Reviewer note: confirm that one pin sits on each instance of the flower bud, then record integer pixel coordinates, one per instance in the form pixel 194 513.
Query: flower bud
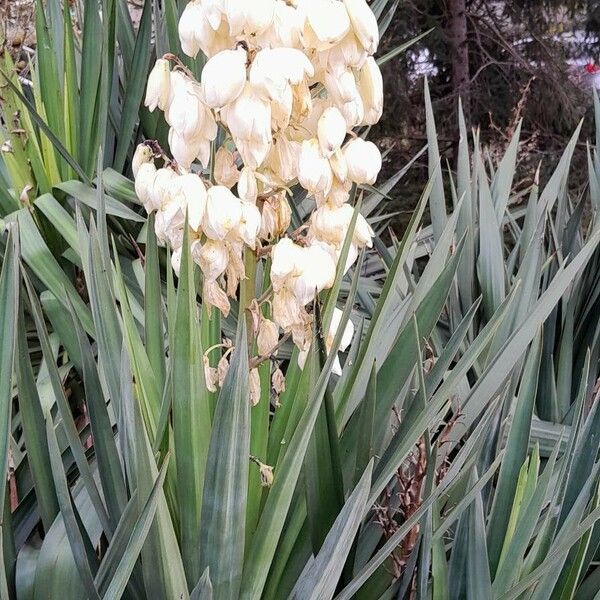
pixel 370 85
pixel 213 258
pixel 254 389
pixel 268 336
pixel 223 77
pixel 363 160
pixel 143 155
pixel 223 213
pixel 314 172
pixel 226 171
pixel 159 86
pixel 364 24
pixel 331 131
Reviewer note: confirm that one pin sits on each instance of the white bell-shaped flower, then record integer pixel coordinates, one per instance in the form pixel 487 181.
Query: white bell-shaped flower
pixel 189 192
pixel 330 224
pixel 249 121
pixel 273 69
pixel 314 171
pixel 348 53
pixel 223 77
pixel 184 150
pixel 370 86
pixel 187 113
pixel 213 258
pixel 159 86
pixel 249 224
pixel 364 24
pixel 317 273
pixel 157 195
pixel 144 183
pixel 331 131
pixel 363 160
pixel 286 31
pixel 248 185
pixel 327 22
pixel 223 213
pixel 285 262
pixel 202 27
pixel 249 18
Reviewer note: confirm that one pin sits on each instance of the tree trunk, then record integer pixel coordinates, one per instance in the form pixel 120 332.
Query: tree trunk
pixel 457 33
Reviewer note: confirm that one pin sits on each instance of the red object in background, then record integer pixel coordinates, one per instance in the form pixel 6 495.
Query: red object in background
pixel 592 69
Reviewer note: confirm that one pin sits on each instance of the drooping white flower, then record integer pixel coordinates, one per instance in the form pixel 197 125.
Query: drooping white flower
pixel 202 27
pixel 144 182
pixel 189 193
pixel 314 171
pixel 317 273
pixel 249 225
pixel 347 53
pixel 274 69
pixel 363 160
pixel 223 77
pixel 223 213
pixel 364 24
pixel 370 85
pixel 331 131
pixel 327 22
pixel 286 30
pixel 330 224
pixel 249 121
pixel 247 185
pixel 249 17
pixel 186 150
pixel 159 86
pixel 285 260
pixel 186 112
pixel 157 193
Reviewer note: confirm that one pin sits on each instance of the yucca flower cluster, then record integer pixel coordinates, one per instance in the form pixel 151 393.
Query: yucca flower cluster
pixel 286 82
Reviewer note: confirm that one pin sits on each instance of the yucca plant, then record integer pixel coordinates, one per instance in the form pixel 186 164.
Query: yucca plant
pixel 455 456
